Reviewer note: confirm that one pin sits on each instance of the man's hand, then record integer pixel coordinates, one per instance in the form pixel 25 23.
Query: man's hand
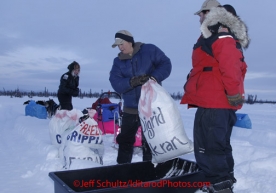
pixel 235 100
pixel 138 80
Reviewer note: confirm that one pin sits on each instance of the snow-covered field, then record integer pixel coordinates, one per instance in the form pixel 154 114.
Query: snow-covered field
pixel 27 155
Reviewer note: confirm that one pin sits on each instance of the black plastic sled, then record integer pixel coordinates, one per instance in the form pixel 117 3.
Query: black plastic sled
pixel 173 176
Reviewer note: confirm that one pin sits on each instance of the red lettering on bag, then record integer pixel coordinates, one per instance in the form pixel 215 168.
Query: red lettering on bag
pixel 90 130
pixel 83 129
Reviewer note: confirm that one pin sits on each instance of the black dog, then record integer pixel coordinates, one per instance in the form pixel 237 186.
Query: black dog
pixel 51 107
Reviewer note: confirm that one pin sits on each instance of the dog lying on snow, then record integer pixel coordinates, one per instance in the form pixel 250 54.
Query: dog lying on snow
pixel 50 105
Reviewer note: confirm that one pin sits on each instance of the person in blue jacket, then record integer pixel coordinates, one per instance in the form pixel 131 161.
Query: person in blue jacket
pixel 68 88
pixel 135 64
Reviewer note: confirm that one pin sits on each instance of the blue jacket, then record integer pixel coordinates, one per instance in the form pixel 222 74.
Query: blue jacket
pixel 146 59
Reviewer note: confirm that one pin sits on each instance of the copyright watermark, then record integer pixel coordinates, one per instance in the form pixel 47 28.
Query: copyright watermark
pixel 137 184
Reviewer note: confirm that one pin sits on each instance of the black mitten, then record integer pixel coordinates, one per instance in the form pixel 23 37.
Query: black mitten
pixel 235 100
pixel 138 80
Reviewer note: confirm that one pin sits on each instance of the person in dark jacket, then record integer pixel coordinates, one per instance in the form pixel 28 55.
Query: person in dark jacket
pixel 134 65
pixel 68 88
pixel 215 86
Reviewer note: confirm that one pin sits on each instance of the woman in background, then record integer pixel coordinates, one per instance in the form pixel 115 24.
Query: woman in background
pixel 68 87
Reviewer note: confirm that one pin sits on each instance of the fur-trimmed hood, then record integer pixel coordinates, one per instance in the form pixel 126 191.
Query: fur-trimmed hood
pixel 234 23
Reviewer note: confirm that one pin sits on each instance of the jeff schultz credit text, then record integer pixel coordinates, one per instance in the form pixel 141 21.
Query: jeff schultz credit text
pixel 137 183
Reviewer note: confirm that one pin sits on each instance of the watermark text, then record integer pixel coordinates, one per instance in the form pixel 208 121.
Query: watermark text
pixel 137 184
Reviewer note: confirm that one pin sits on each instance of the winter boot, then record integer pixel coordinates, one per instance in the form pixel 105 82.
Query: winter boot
pixel 124 154
pixel 231 174
pixel 220 187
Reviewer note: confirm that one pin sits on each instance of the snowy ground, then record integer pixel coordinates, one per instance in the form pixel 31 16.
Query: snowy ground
pixel 27 155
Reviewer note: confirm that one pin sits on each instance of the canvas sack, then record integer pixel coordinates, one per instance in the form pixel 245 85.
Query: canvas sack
pixel 62 121
pixel 84 142
pixel 162 124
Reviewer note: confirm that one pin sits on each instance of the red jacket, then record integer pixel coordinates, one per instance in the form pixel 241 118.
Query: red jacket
pixel 214 77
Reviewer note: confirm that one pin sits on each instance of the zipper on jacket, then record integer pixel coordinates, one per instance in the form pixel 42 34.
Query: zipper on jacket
pixel 134 66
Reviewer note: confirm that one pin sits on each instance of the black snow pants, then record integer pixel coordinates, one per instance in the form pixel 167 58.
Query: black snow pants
pixel 65 101
pixel 126 139
pixel 213 151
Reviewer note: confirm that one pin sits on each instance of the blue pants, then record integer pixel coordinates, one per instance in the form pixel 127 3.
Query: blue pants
pixel 213 151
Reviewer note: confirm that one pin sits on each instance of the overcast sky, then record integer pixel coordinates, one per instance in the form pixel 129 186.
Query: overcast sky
pixel 39 38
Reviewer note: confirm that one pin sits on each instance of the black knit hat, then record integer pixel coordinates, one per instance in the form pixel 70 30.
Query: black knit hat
pixel 230 9
pixel 73 65
pixel 123 35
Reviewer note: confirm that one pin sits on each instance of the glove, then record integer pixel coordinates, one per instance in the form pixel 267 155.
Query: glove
pixel 235 100
pixel 75 92
pixel 138 80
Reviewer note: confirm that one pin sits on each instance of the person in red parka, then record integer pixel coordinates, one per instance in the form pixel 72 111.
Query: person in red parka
pixel 215 86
